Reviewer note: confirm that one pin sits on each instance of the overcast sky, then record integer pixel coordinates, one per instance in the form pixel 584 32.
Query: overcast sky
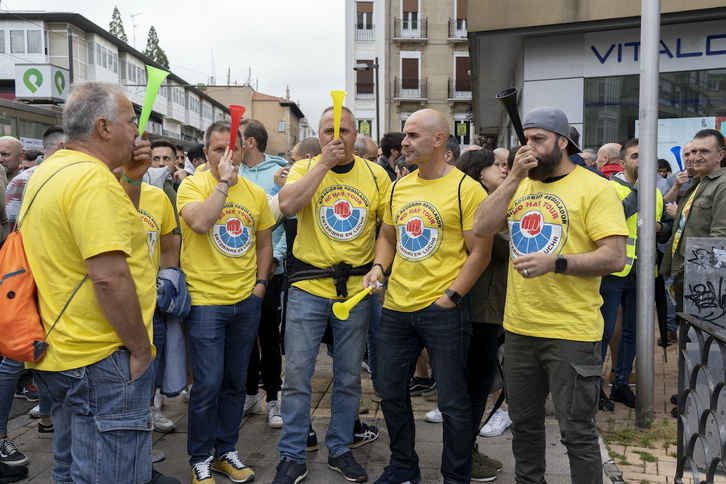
pixel 283 42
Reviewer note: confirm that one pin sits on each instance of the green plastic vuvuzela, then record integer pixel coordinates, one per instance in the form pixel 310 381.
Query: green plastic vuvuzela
pixel 156 77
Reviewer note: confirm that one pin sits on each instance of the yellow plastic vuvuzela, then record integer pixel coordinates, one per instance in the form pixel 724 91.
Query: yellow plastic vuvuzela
pixel 342 309
pixel 155 78
pixel 338 97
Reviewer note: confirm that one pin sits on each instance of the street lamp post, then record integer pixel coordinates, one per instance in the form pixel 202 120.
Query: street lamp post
pixel 367 67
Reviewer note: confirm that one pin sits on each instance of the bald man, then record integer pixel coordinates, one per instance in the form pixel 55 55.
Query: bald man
pixel 428 281
pixel 11 156
pixel 608 159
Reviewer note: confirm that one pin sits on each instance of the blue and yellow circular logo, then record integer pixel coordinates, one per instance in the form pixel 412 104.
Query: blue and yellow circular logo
pixel 342 212
pixel 232 234
pixel 537 223
pixel 420 231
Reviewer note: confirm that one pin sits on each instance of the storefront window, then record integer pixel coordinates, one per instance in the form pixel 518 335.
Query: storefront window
pixel 612 103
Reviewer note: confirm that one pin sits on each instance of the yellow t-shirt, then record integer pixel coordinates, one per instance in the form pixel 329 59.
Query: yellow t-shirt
pixel 157 214
pixel 221 265
pixel 339 222
pixel 430 247
pixel 564 217
pixel 80 213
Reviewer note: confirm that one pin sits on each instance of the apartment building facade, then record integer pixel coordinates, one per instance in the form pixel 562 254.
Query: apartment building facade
pixel 422 58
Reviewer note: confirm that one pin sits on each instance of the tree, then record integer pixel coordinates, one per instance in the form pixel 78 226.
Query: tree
pixel 116 27
pixel 153 50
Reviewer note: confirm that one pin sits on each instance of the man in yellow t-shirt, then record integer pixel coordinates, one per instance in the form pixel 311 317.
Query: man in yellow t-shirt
pixel 337 197
pixel 426 235
pixel 226 257
pixel 80 220
pixel 567 229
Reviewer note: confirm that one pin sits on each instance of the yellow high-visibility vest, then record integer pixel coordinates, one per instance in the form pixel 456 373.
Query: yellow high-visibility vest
pixel 632 223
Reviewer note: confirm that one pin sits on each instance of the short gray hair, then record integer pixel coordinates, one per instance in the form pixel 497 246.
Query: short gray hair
pixel 361 146
pixel 220 126
pixel 88 102
pixel 343 110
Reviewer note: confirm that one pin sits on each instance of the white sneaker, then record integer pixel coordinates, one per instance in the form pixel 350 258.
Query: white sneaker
pixel 157 455
pixel 434 416
pixel 274 419
pixel 158 399
pixel 252 404
pixel 497 424
pixel 35 412
pixel 161 423
pixel 186 393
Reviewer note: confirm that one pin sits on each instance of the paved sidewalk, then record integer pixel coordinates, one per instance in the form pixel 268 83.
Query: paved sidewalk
pixel 257 444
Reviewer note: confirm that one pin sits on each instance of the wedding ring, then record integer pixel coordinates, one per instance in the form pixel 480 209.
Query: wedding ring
pixel 526 273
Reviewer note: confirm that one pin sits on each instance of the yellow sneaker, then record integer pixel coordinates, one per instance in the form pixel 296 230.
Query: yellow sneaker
pixel 230 465
pixel 202 472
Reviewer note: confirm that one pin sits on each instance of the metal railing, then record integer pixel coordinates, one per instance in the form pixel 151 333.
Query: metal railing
pixel 409 88
pixel 364 90
pixel 410 29
pixel 364 34
pixel 702 363
pixel 459 89
pixel 457 29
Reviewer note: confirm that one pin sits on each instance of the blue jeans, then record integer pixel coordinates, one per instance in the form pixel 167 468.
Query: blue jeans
pixel 616 291
pixel 159 338
pixel 220 339
pixel 376 308
pixel 9 374
pixel 102 422
pixel 307 318
pixel 446 336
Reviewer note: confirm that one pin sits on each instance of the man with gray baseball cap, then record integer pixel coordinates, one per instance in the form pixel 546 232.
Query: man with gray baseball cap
pixel 567 229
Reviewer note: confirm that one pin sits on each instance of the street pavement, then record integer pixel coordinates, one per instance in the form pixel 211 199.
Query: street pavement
pixel 257 442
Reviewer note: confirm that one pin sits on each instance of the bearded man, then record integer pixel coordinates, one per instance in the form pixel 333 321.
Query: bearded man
pixel 567 229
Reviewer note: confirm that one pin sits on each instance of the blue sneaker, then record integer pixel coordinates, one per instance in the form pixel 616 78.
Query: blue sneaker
pixel 398 475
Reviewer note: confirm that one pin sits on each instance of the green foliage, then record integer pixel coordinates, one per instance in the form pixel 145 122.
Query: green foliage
pixel 622 460
pixel 116 28
pixel 154 51
pixel 629 435
pixel 646 456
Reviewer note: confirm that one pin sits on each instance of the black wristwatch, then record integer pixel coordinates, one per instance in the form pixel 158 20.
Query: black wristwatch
pixel 560 264
pixel 454 296
pixel 261 281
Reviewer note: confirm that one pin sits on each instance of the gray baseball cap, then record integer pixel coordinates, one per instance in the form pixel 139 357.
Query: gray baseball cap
pixel 554 120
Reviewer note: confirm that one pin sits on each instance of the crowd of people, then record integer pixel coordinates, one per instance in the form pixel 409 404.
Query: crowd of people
pixel 197 274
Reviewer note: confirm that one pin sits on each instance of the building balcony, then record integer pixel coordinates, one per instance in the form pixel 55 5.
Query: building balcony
pixel 459 89
pixel 364 34
pixel 365 91
pixel 413 89
pixel 457 30
pixel 410 30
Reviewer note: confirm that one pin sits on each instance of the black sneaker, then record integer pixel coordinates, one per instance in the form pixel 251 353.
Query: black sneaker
pixel 398 475
pixel 289 472
pixel 10 455
pixel 674 412
pixel 28 392
pixel 346 465
pixel 674 399
pixel 12 474
pixel 623 394
pixel 312 443
pixel 605 403
pixel 45 431
pixel 159 478
pixel 364 435
pixel 419 385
